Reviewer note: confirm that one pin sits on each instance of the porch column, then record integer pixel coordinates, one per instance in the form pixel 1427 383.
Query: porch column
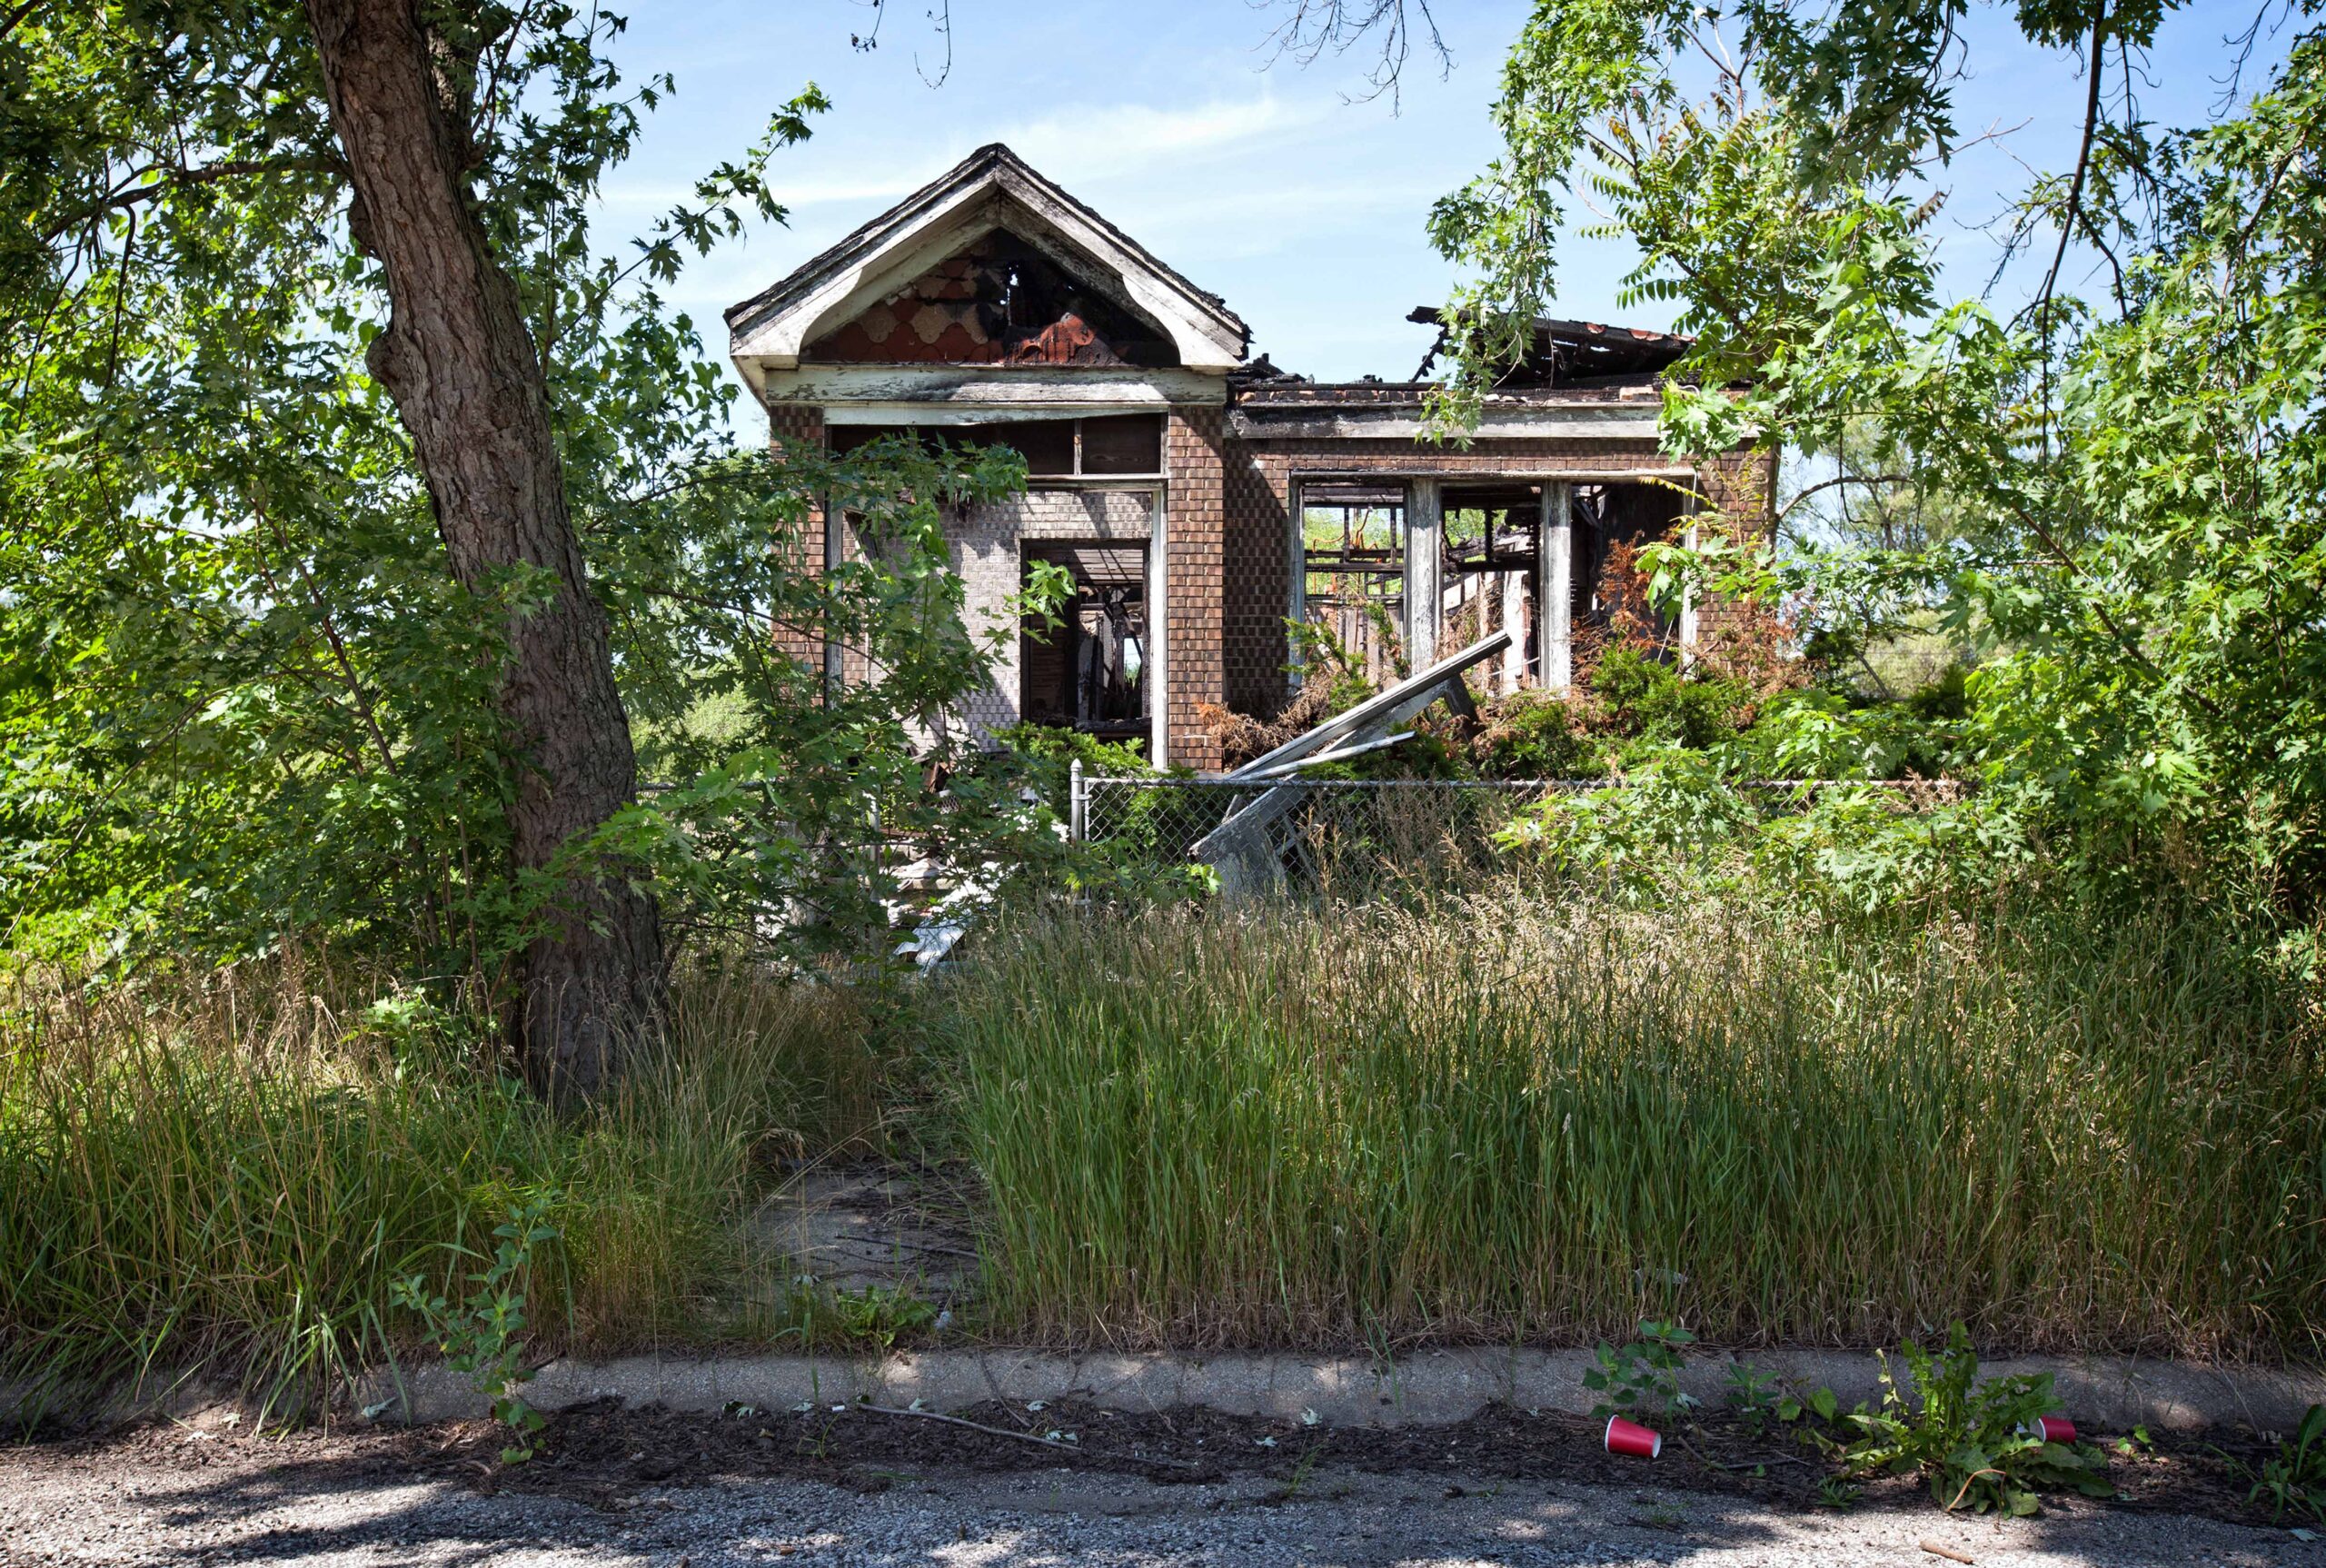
pixel 1424 582
pixel 1688 598
pixel 1513 621
pixel 1554 611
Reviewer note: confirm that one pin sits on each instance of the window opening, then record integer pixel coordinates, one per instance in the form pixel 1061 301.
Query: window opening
pixel 1101 446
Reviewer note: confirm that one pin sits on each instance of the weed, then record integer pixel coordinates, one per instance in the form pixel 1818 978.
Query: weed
pixel 2294 1478
pixel 1501 1115
pixel 229 1169
pixel 878 1316
pixel 1969 1437
pixel 1643 1377
pixel 1755 1396
pixel 1838 1494
pixel 483 1336
pixel 1301 1470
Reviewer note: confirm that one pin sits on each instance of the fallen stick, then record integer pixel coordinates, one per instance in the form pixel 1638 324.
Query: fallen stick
pixel 1952 1555
pixel 1062 1446
pixel 1739 1465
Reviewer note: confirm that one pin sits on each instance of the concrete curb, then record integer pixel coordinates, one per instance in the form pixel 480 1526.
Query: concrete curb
pixel 1432 1387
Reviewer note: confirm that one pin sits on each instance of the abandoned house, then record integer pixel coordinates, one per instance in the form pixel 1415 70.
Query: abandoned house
pixel 1201 499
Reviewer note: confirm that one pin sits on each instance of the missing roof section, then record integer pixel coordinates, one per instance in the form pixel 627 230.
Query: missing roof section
pixel 1569 353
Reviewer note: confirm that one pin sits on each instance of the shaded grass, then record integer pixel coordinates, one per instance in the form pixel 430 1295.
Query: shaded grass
pixel 230 1168
pixel 1508 1117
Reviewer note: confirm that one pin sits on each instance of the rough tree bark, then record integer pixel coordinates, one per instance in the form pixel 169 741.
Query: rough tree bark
pixel 460 365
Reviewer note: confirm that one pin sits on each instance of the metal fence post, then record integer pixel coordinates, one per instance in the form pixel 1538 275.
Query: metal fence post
pixel 1077 808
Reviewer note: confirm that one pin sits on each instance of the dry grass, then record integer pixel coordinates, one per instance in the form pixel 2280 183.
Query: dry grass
pixel 1511 1118
pixel 229 1167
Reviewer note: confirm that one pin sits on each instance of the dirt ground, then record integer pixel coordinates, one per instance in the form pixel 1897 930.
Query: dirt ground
pixel 617 1486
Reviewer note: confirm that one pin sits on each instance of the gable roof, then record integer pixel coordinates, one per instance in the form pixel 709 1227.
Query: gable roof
pixel 992 188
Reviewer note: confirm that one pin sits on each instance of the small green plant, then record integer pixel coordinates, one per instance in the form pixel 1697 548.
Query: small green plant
pixel 879 1316
pixel 2293 1480
pixel 1838 1493
pixel 484 1336
pixel 1755 1396
pixel 1645 1375
pixel 1968 1437
pixel 1818 1402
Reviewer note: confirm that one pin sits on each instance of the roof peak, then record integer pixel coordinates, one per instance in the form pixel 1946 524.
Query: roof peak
pixel 769 328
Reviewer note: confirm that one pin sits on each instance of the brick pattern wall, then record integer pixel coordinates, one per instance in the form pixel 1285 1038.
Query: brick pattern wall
pixel 981 545
pixel 1195 444
pixel 802 426
pixel 1259 581
pixel 1742 489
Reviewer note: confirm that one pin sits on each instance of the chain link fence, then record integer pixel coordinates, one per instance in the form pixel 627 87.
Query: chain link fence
pixel 1352 834
pixel 1318 833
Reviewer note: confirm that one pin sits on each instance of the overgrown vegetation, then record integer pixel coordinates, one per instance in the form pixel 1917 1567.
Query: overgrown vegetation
pixel 1508 1118
pixel 238 1167
pixel 2111 497
pixel 2032 1045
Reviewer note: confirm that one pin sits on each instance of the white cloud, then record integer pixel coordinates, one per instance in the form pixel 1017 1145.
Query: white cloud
pixel 1085 142
pixel 1118 138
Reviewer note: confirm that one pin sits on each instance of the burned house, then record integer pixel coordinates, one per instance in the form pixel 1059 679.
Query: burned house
pixel 1200 499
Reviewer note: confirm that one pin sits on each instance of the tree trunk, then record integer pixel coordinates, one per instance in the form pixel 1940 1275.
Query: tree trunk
pixel 459 364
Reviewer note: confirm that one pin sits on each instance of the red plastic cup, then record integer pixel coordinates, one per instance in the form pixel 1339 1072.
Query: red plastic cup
pixel 2050 1428
pixel 1630 1437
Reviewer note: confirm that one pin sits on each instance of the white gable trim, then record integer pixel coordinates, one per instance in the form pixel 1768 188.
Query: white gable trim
pixel 1002 193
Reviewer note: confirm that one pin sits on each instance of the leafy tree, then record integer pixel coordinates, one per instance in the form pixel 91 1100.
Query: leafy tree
pixel 280 632
pixel 2130 483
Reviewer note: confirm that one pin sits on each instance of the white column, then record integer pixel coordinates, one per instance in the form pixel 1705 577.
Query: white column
pixel 1555 569
pixel 1424 585
pixel 1514 620
pixel 1688 602
pixel 1158 674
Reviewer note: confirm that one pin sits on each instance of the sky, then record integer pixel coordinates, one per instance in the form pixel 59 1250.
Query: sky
pixel 1277 186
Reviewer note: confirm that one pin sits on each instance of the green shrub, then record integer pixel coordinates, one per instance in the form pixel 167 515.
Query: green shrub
pixel 1535 734
pixel 1645 698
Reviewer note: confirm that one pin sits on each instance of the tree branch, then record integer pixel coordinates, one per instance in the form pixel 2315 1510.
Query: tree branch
pixel 1837 480
pixel 161 180
pixel 2075 206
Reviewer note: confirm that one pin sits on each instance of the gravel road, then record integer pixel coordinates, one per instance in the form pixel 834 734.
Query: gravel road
pixel 199 1497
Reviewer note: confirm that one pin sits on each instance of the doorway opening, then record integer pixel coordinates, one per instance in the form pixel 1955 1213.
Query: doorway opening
pixel 1090 672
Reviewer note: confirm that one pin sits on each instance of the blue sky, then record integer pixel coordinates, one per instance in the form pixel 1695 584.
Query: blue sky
pixel 1264 182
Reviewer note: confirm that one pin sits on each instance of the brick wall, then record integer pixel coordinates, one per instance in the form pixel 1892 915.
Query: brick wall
pixel 1258 579
pixel 1741 488
pixel 1194 562
pixel 791 422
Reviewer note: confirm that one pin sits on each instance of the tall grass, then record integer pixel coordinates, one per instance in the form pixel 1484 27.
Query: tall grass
pixel 1508 1117
pixel 230 1168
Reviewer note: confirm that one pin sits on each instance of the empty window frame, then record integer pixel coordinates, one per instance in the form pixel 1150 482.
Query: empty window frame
pixel 1105 446
pixel 1353 591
